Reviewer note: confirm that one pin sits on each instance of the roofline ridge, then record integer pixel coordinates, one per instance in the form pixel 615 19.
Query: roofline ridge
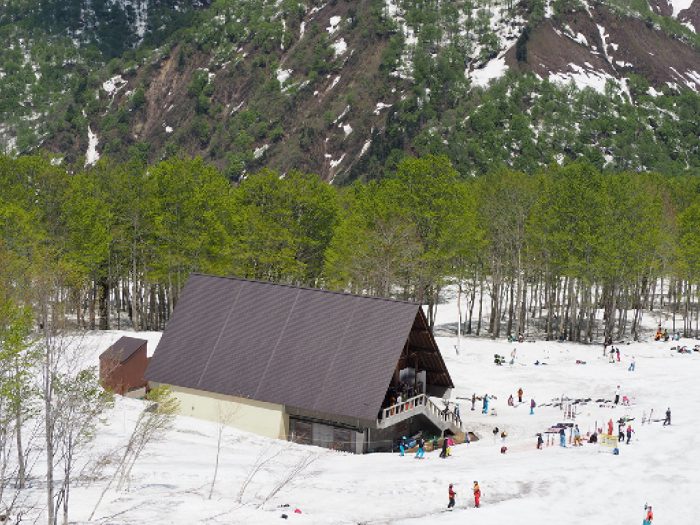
pixel 244 279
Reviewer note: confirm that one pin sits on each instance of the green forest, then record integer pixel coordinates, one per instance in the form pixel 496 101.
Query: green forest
pixel 113 245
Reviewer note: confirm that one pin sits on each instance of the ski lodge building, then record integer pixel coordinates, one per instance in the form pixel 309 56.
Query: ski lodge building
pixel 302 364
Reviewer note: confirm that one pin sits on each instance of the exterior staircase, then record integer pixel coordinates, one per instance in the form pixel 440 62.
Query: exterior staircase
pixel 421 405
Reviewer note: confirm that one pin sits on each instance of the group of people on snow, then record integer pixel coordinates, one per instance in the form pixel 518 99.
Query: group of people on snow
pixel 452 495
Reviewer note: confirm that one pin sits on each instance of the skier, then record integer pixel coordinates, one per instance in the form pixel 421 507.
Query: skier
pixel 610 427
pixel 532 406
pixel 617 394
pixel 451 494
pixel 477 494
pixel 421 448
pixel 443 452
pixel 562 437
pixel 520 395
pixel 621 430
pixel 632 366
pixel 577 436
pixel 540 441
pixel 495 433
pixel 473 400
pixel 504 435
pixel 649 516
pixel 629 433
pixel 667 421
pixel 485 405
pixel 510 400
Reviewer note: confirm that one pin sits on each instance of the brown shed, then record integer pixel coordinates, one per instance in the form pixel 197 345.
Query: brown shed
pixel 123 364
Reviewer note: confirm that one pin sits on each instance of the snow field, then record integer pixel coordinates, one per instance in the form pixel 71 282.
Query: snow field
pixel 170 482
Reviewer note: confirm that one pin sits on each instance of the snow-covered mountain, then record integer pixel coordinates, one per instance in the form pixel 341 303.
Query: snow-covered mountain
pixel 341 88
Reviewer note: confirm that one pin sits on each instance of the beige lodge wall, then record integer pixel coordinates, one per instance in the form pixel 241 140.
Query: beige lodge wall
pixel 259 417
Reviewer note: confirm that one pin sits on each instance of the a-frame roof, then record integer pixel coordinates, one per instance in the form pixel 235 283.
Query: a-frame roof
pixel 311 349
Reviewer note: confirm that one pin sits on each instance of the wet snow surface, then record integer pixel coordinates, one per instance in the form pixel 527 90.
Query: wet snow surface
pixel 577 486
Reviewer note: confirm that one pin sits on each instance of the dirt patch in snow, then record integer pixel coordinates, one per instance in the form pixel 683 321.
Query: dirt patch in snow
pixel 691 16
pixel 631 45
pixel 661 7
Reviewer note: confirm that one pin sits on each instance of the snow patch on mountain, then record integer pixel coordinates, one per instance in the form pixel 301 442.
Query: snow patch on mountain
pixel 334 83
pixel 380 106
pixel 91 155
pixel 493 70
pixel 334 23
pixel 679 5
pixel 259 152
pixel 339 47
pixel 365 147
pixel 582 78
pixel 113 85
pixel 283 75
pixel 335 163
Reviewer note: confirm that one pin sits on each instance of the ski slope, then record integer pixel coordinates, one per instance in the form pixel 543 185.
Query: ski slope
pixel 577 486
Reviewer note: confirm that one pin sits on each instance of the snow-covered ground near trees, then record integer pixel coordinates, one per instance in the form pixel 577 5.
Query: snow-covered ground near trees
pixel 584 485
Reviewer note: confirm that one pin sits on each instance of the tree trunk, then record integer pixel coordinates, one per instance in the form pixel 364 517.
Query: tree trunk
pixel 549 297
pixel 562 309
pixel 472 299
pixel 511 308
pixel 459 317
pixel 48 432
pixel 91 305
pixel 481 305
pixel 21 463
pixel 103 298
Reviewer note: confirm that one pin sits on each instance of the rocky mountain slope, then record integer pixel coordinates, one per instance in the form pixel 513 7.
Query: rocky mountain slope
pixel 344 88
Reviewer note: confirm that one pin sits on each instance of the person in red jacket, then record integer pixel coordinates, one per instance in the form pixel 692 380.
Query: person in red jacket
pixel 649 516
pixel 451 493
pixel 610 426
pixel 477 494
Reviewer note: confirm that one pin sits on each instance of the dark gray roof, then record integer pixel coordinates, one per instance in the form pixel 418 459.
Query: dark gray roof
pixel 306 348
pixel 123 349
